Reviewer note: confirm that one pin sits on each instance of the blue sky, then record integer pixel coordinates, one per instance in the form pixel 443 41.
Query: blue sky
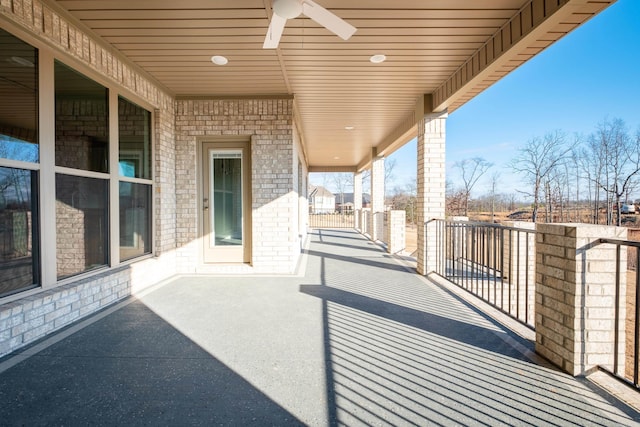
pixel 590 75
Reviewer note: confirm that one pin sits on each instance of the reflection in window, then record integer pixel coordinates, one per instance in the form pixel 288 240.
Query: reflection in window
pixel 135 220
pixel 19 265
pixel 134 124
pixel 227 198
pixel 81 224
pixel 19 95
pixel 82 137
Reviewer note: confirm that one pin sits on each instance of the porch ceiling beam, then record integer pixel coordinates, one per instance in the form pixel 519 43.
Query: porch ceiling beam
pixel 532 29
pixel 350 169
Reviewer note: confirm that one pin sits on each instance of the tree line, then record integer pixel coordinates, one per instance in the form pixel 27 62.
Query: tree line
pixel 582 178
pixel 566 177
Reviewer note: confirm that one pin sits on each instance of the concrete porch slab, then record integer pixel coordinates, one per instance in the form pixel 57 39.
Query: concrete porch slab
pixel 358 340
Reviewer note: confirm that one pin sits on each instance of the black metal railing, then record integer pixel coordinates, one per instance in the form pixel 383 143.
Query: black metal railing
pixel 494 262
pixel 627 284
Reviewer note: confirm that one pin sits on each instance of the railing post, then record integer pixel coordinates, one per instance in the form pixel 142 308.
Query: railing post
pixel 396 232
pixel 575 296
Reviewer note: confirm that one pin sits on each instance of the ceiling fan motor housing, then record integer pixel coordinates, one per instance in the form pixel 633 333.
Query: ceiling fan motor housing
pixel 287 9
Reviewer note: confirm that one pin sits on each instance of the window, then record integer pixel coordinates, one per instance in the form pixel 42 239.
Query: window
pixel 82 227
pixel 135 220
pixel 19 232
pixel 82 143
pixel 134 166
pixel 82 125
pixel 134 135
pixel 78 174
pixel 19 263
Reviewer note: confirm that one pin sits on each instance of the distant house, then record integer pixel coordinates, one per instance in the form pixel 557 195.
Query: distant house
pixel 321 200
pixel 344 201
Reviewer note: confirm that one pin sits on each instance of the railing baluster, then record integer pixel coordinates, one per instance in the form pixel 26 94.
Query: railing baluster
pixel 517 275
pixel 472 252
pixel 616 316
pixel 637 325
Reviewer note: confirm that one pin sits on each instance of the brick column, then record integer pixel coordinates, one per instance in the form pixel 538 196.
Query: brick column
pixel 396 232
pixel 357 200
pixel 377 198
pixel 431 186
pixel 575 296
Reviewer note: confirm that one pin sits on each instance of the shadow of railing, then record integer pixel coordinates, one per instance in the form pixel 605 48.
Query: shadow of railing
pixel 400 352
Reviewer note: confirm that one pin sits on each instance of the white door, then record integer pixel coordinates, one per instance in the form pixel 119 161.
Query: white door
pixel 225 202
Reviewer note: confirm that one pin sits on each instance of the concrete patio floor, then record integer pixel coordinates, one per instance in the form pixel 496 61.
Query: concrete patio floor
pixel 355 339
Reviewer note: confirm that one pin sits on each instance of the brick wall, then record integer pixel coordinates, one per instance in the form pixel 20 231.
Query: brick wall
pixel 269 124
pixel 575 288
pixel 30 318
pixel 396 231
pixel 431 187
pixel 164 200
pixel 26 318
pixel 376 226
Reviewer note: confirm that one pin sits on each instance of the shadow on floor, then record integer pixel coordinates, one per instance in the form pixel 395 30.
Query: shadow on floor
pixel 427 358
pixel 139 371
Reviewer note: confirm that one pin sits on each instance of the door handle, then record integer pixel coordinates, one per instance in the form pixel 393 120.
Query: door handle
pixel 205 204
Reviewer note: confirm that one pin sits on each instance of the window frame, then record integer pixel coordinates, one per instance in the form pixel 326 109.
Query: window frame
pixel 47 170
pixel 27 166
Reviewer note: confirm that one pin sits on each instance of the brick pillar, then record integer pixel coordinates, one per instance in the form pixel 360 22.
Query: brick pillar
pixel 575 296
pixel 431 187
pixel 377 199
pixel 357 200
pixel 396 232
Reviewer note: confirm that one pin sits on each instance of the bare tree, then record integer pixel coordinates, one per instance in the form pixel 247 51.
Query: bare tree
pixel 389 166
pixel 471 171
pixel 342 181
pixel 619 155
pixel 537 159
pixel 454 199
pixel 495 180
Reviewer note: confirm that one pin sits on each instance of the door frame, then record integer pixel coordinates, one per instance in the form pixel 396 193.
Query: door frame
pixel 242 143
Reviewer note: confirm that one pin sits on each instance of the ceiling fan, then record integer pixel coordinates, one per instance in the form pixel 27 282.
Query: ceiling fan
pixel 289 9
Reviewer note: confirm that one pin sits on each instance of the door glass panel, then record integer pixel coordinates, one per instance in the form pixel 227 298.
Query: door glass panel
pixel 226 212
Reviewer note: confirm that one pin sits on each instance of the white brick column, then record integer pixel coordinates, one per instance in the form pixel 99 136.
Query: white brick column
pixel 377 198
pixel 431 186
pixel 575 296
pixel 396 232
pixel 357 200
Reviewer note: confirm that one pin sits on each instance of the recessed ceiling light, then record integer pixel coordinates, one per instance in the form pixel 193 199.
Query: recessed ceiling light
pixel 349 127
pixel 378 58
pixel 336 158
pixel 219 60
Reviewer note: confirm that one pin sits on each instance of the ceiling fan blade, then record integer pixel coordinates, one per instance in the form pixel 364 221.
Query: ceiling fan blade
pixel 327 19
pixel 276 27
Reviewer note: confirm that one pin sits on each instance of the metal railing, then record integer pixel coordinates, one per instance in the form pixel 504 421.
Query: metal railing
pixel 627 285
pixel 332 220
pixel 494 262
